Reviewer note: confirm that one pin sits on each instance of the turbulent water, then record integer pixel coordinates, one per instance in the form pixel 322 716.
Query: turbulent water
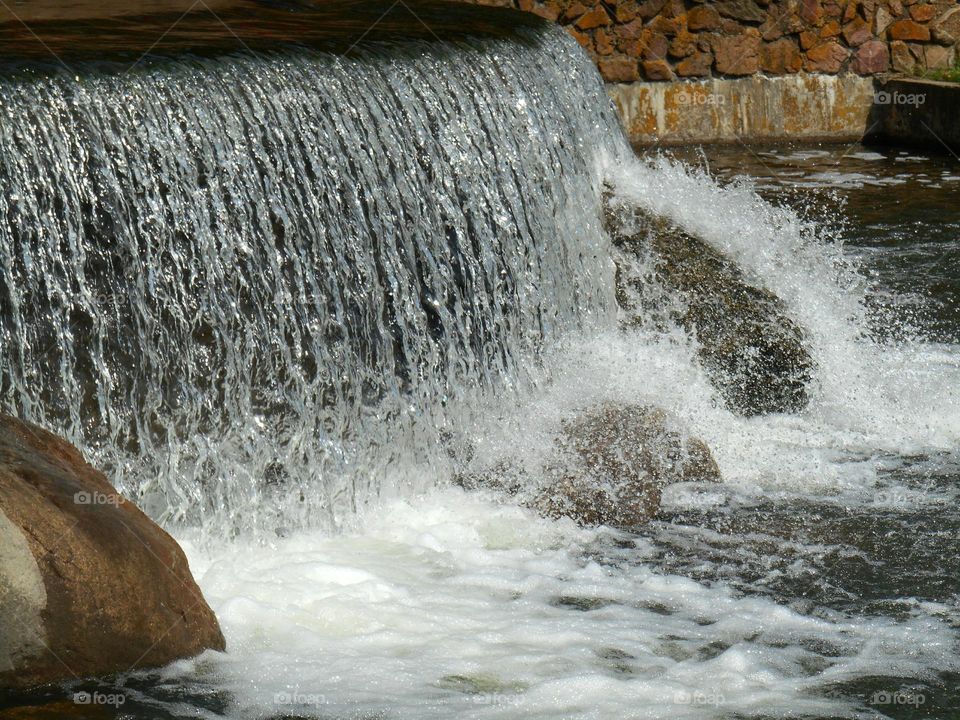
pixel 242 280
pixel 261 291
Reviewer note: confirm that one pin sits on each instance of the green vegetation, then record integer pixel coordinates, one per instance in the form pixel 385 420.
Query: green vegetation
pixel 949 75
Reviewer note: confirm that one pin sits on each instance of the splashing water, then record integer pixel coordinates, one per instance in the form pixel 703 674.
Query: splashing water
pixel 257 290
pixel 247 280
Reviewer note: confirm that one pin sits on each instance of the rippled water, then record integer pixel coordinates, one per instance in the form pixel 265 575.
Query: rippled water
pixel 819 580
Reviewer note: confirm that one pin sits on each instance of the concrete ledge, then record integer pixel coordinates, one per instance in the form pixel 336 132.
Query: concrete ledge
pixel 925 113
pixel 758 108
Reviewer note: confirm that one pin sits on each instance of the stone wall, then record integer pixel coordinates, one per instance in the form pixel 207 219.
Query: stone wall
pixel 668 39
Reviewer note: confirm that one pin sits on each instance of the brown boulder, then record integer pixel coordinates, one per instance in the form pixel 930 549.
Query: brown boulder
pixel 737 54
pixel 703 17
pixel 908 30
pixel 924 12
pixel 857 32
pixel 657 70
pixel 742 10
pixel 753 353
pixel 781 57
pixel 946 29
pixel 614 462
pixel 89 585
pixel 826 58
pixel 697 65
pixel 619 69
pixel 872 57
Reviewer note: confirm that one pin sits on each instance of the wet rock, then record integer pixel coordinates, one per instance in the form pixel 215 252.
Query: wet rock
pixel 613 462
pixel 752 351
pixel 89 585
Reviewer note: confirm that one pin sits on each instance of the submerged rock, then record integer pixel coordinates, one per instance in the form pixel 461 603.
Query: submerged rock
pixel 613 462
pixel 608 467
pixel 752 351
pixel 89 585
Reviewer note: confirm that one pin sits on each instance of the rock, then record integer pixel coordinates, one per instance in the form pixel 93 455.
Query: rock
pixel 657 70
pixel 703 17
pixel 752 351
pixel 830 29
pixel 872 57
pixel 737 54
pixel 937 57
pixel 881 21
pixel 811 12
pixel 857 32
pixel 743 10
pixel 946 29
pixel 613 463
pixel 781 57
pixel 924 12
pixel 908 30
pixel 902 59
pixel 697 65
pixel 598 17
pixel 826 58
pixel 619 69
pixel 89 585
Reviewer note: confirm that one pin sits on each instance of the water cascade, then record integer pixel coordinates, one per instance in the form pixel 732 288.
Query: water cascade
pixel 249 284
pixel 264 291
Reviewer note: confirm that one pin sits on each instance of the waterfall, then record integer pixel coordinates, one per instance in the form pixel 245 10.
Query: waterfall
pixel 246 285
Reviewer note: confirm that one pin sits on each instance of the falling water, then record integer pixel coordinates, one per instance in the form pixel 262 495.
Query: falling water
pixel 247 285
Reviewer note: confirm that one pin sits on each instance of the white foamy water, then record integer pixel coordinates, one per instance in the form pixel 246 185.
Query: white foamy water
pixel 454 604
pixel 457 606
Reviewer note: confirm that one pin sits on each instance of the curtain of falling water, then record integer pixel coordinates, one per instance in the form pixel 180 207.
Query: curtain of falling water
pixel 249 286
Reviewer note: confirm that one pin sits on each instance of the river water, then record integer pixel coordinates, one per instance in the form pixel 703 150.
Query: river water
pixel 819 580
pixel 369 250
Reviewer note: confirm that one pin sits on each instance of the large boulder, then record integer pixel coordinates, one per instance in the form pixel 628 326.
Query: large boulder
pixel 753 352
pixel 608 466
pixel 89 585
pixel 613 462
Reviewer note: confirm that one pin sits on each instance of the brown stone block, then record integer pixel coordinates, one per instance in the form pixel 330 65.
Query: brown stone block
pixel 830 29
pixel 697 65
pixel 655 46
pixel 908 30
pixel 626 11
pixel 826 58
pixel 937 57
pixel 657 70
pixel 811 12
pixel 619 69
pixel 603 42
pixel 857 32
pixel 683 44
pixel 649 8
pixel 781 57
pixel 703 17
pixel 598 17
pixel 946 29
pixel 738 54
pixel 742 10
pixel 574 10
pixel 901 58
pixel 923 13
pixel 850 11
pixel 872 57
pixel 808 38
pixel 665 25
